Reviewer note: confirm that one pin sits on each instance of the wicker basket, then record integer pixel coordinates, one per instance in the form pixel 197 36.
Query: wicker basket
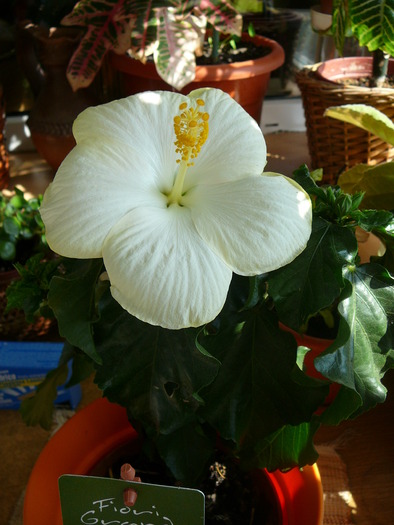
pixel 334 145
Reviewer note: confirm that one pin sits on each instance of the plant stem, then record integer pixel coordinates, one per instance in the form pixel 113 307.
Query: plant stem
pixel 379 68
pixel 215 45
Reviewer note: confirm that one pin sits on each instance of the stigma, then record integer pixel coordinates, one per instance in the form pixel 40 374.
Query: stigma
pixel 191 130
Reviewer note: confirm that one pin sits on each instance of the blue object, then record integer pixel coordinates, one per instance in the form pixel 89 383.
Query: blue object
pixel 23 365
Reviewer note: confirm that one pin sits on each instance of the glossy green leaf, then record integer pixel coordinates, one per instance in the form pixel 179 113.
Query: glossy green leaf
pixel 365 117
pixel 186 452
pixel 259 387
pixel 372 23
pixel 156 373
pixel 358 356
pixel 376 181
pixel 72 298
pixel 298 289
pixel 290 446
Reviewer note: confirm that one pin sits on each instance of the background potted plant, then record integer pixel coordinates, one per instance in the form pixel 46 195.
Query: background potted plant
pixel 44 49
pixel 281 24
pixel 155 44
pixel 21 237
pixel 241 375
pixel 336 82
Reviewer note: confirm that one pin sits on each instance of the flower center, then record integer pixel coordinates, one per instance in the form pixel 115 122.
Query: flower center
pixel 191 130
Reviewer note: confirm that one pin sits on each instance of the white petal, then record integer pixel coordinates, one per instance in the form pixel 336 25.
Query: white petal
pixel 235 147
pixel 256 225
pixel 93 188
pixel 143 122
pixel 162 272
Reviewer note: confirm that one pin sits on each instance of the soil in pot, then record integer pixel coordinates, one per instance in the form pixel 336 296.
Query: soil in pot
pixel 228 55
pixel 232 497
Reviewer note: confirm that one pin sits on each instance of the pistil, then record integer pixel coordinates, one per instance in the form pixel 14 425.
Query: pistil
pixel 191 129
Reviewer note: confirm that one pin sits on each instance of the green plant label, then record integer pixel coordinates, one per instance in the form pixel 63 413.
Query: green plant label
pixel 87 500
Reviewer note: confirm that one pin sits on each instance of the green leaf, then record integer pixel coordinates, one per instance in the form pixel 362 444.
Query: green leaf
pixel 366 117
pixel 290 446
pixel 7 250
pixel 38 409
pixel 340 24
pixel 11 226
pixel 259 387
pixel 186 452
pixel 314 279
pixel 372 23
pixel 377 182
pixel 156 373
pixel 29 292
pixel 358 357
pixel 72 298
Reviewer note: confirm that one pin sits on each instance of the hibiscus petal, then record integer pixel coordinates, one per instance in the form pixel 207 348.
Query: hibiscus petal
pixel 143 122
pixel 235 147
pixel 255 225
pixel 93 188
pixel 162 272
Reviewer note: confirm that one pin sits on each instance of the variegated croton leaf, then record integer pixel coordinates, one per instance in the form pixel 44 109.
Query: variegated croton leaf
pixel 108 26
pixel 167 28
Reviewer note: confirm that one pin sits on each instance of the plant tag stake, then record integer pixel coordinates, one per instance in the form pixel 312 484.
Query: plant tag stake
pixel 87 500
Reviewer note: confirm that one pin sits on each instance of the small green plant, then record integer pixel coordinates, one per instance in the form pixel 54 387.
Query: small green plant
pixel 371 23
pixel 21 228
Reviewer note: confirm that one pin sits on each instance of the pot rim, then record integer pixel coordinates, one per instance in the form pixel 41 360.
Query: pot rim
pixel 235 70
pixel 336 69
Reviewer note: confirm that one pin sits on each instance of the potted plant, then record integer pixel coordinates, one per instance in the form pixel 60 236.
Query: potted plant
pixel 337 82
pixel 204 358
pixel 155 45
pixel 21 237
pixel 44 50
pixel 280 24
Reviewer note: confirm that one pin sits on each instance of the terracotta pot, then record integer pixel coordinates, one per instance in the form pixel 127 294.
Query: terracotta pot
pixel 101 427
pixel 56 105
pixel 246 82
pixel 317 346
pixel 338 69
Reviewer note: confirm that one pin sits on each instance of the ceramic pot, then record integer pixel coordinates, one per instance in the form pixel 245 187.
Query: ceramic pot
pixel 246 82
pixel 100 428
pixel 57 105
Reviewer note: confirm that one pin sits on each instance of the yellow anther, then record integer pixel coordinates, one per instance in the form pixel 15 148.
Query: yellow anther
pixel 191 130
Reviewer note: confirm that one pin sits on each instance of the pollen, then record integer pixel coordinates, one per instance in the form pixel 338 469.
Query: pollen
pixel 191 130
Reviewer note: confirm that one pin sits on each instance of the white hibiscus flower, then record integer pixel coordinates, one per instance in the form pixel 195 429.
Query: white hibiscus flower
pixel 169 191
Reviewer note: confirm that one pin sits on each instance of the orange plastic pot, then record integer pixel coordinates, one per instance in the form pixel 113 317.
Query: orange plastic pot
pixel 94 432
pixel 246 82
pixel 317 346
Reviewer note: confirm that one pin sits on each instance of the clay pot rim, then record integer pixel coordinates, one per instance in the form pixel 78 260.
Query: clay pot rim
pixel 337 69
pixel 235 70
